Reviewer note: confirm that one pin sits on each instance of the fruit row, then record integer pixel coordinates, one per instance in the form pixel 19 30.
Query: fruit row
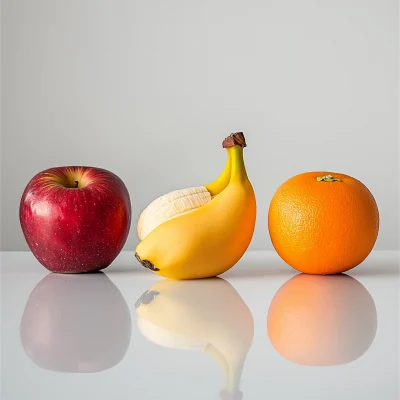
pixel 77 219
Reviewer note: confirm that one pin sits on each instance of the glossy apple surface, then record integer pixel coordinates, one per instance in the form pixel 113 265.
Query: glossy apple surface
pixel 75 219
pixel 76 323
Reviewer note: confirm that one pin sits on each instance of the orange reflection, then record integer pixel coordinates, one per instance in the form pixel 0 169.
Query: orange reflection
pixel 322 320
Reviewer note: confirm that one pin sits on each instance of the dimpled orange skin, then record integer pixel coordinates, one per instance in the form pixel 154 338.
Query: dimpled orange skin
pixel 323 227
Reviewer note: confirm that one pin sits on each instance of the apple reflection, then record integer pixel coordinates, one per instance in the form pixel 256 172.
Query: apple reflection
pixel 76 323
pixel 322 320
pixel 204 315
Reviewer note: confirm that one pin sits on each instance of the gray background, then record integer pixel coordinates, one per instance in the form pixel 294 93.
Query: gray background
pixel 148 89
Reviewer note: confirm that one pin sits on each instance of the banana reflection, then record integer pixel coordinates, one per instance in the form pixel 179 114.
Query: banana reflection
pixel 204 315
pixel 322 320
pixel 76 323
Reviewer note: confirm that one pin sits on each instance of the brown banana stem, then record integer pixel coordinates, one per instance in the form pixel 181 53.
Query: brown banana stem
pixel 234 139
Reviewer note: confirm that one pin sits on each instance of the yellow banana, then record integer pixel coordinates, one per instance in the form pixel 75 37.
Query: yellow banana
pixel 169 206
pixel 222 181
pixel 208 237
pixel 180 202
pixel 207 315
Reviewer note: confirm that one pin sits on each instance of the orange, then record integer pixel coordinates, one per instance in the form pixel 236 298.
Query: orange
pixel 323 222
pixel 322 320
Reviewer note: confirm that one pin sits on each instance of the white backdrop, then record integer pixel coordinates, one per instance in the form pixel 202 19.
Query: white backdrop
pixel 148 90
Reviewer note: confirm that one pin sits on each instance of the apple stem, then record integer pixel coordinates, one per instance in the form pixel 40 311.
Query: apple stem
pixel 76 184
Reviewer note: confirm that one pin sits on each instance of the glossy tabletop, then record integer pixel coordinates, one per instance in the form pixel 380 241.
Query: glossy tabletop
pixel 260 331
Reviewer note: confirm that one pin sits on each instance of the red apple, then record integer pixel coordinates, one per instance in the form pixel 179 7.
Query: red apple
pixel 75 219
pixel 76 323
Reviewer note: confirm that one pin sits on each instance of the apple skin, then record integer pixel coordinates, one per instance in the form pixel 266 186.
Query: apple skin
pixel 74 230
pixel 76 323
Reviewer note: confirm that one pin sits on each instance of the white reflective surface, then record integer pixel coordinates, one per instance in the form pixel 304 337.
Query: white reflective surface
pixel 259 331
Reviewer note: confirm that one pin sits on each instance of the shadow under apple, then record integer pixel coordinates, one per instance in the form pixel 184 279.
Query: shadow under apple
pixel 76 323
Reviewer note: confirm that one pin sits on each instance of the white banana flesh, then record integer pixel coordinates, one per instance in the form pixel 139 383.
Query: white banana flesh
pixel 169 206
